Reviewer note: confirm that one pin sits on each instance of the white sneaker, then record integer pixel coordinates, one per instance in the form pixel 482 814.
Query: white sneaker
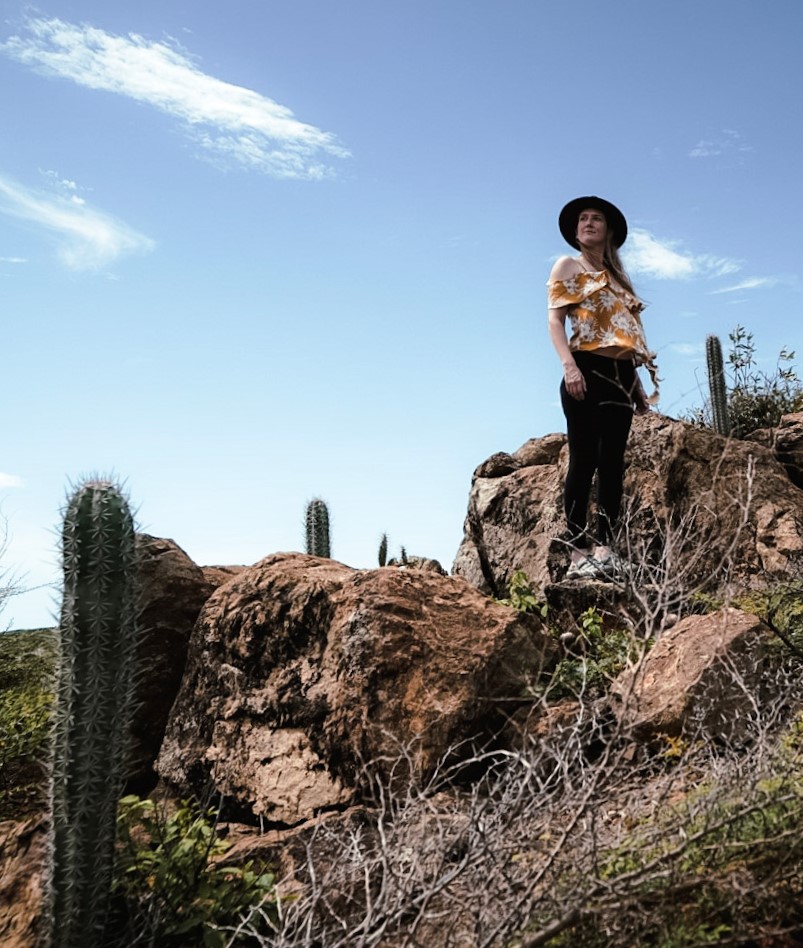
pixel 613 566
pixel 586 568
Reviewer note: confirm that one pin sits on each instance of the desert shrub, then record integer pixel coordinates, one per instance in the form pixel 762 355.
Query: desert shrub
pixel 577 836
pixel 172 889
pixel 755 399
pixel 27 670
pixel 781 607
pixel 522 598
pixel 598 654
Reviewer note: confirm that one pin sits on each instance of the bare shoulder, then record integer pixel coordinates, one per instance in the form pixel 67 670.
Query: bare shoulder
pixel 564 268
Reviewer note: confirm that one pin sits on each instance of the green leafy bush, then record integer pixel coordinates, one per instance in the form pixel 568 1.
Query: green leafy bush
pixel 601 653
pixel 755 399
pixel 174 889
pixel 522 598
pixel 27 682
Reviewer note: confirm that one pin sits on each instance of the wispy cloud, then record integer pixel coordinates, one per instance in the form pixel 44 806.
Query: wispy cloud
pixel 10 480
pixel 751 283
pixel 86 239
pixel 14 260
pixel 231 123
pixel 724 142
pixel 686 348
pixel 663 259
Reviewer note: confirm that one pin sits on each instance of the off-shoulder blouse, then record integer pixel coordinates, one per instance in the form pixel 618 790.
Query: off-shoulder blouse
pixel 602 315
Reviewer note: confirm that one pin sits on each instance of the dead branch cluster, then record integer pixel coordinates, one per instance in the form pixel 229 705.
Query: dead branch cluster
pixel 579 836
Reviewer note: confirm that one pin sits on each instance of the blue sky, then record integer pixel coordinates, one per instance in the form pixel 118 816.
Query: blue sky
pixel 257 252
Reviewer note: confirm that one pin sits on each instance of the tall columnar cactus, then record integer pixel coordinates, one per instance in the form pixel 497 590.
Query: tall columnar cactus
pixel 716 385
pixel 317 522
pixel 98 640
pixel 383 550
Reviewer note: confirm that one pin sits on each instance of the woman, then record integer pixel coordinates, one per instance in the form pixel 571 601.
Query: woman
pixel 600 387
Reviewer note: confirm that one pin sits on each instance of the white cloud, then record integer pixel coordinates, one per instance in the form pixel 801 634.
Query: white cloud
pixel 10 480
pixel 751 283
pixel 666 259
pixel 726 141
pixel 13 260
pixel 229 122
pixel 686 348
pixel 86 239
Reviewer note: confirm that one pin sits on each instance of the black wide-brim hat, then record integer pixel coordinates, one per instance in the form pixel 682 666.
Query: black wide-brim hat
pixel 615 219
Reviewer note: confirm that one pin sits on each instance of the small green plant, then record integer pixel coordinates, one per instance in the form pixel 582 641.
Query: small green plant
pixel 591 622
pixel 522 598
pixel 602 653
pixel 317 529
pixel 781 608
pixel 173 887
pixel 27 683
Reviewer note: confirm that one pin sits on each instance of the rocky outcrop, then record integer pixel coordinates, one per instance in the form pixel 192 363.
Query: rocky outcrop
pixel 788 446
pixel 302 668
pixel 515 511
pixel 721 510
pixel 172 591
pixel 702 677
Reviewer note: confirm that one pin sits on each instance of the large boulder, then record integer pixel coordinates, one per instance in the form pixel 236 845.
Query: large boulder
pixel 301 669
pixel 705 509
pixel 703 676
pixel 172 590
pixel 788 446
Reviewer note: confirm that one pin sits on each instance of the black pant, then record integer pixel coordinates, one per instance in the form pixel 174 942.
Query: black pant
pixel 597 429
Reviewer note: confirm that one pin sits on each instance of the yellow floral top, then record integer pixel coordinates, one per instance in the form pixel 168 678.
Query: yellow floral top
pixel 603 315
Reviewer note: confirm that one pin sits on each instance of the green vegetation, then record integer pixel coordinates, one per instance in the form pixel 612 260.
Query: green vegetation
pixel 721 863
pixel 598 656
pixel 171 887
pixel 754 398
pixel 522 598
pixel 27 682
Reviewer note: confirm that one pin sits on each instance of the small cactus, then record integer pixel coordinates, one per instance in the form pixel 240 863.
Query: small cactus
pixel 716 385
pixel 383 550
pixel 95 696
pixel 317 524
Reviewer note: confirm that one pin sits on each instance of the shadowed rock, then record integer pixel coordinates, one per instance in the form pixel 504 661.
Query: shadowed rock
pixel 302 668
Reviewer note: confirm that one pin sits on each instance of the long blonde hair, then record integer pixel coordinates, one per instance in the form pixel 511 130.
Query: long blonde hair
pixel 614 263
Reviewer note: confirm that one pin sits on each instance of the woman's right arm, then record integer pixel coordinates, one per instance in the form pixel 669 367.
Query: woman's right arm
pixel 556 319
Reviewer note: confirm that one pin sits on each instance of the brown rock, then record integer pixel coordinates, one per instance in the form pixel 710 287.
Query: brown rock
pixel 788 446
pixel 23 869
pixel 515 511
pixel 217 575
pixel 301 668
pixel 419 562
pixel 700 508
pixel 172 591
pixel 704 673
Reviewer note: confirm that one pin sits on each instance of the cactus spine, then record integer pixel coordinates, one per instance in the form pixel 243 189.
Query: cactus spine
pixel 98 639
pixel 318 529
pixel 716 385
